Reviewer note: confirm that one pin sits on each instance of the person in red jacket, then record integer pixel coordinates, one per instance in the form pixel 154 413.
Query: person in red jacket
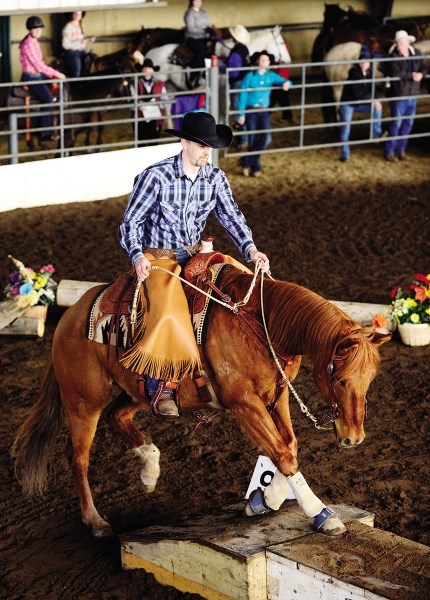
pixel 151 110
pixel 34 68
pixel 282 97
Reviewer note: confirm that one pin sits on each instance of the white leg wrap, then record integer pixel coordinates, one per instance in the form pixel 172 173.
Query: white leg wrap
pixel 276 492
pixel 310 504
pixel 149 455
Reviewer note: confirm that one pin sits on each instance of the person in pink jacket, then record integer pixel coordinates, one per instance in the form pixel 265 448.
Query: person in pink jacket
pixel 34 68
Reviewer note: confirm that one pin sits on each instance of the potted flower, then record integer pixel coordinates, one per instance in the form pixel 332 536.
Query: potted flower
pixel 28 293
pixel 30 288
pixel 411 310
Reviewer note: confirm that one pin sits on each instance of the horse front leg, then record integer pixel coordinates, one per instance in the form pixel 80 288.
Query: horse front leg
pixel 119 415
pixel 288 475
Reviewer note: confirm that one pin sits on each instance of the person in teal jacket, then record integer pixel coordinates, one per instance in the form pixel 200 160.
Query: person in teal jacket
pixel 254 102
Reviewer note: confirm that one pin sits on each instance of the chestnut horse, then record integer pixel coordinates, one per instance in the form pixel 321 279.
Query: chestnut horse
pixel 247 379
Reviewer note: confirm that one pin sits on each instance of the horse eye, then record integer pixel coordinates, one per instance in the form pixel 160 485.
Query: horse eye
pixel 341 382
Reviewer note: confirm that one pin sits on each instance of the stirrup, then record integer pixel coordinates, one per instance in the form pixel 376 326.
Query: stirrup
pixel 257 504
pixel 155 399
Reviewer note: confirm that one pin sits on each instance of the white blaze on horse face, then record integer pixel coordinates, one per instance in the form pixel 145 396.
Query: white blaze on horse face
pixel 138 57
pixel 149 455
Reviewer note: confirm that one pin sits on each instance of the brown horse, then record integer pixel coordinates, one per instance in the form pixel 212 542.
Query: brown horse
pixel 246 378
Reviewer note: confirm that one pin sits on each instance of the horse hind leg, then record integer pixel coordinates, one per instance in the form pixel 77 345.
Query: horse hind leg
pixel 119 415
pixel 82 426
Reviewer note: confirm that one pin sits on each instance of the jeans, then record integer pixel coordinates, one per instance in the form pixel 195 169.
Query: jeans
pixel 42 92
pixel 74 59
pixel 346 112
pixel 256 141
pixel 151 383
pixel 402 113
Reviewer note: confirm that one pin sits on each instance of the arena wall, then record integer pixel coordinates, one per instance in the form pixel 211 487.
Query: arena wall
pixel 76 178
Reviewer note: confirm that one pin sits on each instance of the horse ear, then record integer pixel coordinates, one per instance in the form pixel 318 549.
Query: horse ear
pixel 380 338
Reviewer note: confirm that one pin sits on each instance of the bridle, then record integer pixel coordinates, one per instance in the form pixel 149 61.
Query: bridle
pixel 328 416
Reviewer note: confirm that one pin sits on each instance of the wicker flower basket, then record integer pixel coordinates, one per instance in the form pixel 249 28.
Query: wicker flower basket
pixel 415 335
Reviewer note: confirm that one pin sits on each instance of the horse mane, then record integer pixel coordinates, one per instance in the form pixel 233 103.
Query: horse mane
pixel 302 322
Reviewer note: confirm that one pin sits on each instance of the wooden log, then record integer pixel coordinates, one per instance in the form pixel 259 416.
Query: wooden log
pixel 69 291
pixel 9 311
pixel 363 312
pixel 32 323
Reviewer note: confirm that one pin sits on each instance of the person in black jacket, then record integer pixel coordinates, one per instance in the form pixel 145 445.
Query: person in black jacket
pixel 355 98
pixel 408 71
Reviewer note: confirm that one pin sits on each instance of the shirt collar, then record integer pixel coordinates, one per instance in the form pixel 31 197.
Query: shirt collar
pixel 180 171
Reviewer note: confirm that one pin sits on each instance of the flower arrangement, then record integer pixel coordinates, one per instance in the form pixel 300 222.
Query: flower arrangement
pixel 412 306
pixel 30 288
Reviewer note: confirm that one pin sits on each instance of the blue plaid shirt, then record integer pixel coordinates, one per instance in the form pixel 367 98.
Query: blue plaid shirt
pixel 168 210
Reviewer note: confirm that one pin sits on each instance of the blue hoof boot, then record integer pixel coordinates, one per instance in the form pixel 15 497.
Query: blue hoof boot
pixel 328 522
pixel 256 504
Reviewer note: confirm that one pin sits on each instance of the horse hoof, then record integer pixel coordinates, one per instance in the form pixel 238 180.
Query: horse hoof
pixel 102 530
pixel 256 504
pixel 328 523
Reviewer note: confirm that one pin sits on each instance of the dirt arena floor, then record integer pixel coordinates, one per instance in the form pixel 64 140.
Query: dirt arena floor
pixel 347 231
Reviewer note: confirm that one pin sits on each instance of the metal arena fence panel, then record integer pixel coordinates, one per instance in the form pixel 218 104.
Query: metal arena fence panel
pixel 115 118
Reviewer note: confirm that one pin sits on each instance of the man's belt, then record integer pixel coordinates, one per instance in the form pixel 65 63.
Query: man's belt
pixel 171 253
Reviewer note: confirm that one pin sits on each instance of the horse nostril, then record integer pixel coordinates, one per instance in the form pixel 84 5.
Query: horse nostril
pixel 346 442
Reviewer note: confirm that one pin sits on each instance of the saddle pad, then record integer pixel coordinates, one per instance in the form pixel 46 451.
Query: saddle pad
pixel 107 328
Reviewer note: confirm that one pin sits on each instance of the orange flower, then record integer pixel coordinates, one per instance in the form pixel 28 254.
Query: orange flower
pixel 420 293
pixel 379 321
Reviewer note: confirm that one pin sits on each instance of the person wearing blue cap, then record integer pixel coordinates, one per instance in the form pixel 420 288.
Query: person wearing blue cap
pixel 356 98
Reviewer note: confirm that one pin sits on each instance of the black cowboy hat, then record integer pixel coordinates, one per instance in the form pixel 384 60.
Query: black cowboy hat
pixel 256 56
pixel 200 127
pixel 148 63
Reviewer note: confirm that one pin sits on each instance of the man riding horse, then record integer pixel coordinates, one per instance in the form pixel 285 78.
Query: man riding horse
pixel 165 216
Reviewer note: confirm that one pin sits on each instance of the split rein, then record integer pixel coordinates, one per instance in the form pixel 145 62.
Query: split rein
pixel 321 422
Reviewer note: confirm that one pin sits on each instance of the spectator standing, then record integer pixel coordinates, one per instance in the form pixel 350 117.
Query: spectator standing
pixel 75 44
pixel 408 69
pixel 237 59
pixel 197 29
pixel 34 68
pixel 355 98
pixel 282 97
pixel 254 98
pixel 151 110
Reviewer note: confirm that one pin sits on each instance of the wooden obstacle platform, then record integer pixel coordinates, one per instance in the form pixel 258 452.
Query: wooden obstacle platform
pixel 228 556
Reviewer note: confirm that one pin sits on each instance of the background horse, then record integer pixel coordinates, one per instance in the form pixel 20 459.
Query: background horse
pixel 174 66
pixel 246 380
pixel 336 74
pixel 269 38
pixel 81 98
pixel 341 26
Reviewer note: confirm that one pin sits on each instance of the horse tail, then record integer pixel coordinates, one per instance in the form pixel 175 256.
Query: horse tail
pixel 35 438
